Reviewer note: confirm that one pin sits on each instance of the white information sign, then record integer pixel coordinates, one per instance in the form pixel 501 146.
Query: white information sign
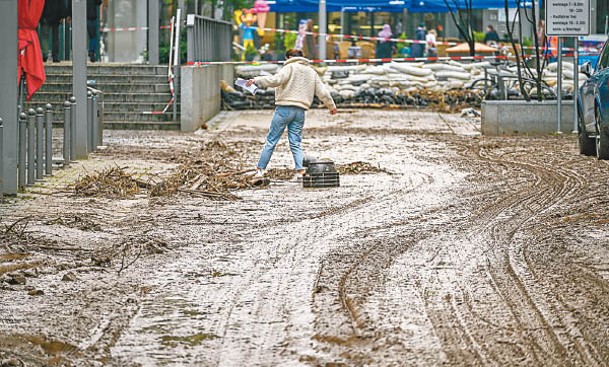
pixel 567 17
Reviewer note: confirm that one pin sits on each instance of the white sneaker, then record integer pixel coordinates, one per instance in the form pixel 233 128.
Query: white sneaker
pixel 259 173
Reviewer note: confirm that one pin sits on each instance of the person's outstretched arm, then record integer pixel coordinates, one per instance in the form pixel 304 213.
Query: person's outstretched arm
pixel 272 80
pixel 322 93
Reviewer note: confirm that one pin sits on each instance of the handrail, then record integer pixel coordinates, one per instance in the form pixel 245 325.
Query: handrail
pixel 207 39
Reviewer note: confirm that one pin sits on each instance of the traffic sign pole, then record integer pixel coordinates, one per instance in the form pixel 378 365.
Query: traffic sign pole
pixel 568 18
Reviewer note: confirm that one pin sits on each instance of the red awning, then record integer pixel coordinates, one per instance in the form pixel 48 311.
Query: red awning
pixel 30 56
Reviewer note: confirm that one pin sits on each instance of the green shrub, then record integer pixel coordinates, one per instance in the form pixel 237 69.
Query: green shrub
pixel 479 36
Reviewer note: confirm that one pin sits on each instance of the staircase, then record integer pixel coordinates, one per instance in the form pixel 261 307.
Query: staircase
pixel 129 91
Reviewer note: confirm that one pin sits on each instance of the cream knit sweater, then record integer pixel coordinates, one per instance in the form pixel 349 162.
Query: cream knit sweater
pixel 297 83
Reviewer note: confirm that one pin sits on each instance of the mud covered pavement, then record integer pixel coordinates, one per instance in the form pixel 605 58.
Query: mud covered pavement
pixel 463 251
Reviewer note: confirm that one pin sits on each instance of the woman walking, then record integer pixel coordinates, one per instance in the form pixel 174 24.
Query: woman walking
pixel 296 86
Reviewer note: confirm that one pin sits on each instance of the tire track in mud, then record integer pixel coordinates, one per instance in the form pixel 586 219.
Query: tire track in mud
pixel 553 187
pixel 541 336
pixel 349 274
pixel 566 183
pixel 329 226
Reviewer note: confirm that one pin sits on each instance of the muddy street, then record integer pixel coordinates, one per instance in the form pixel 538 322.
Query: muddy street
pixel 446 248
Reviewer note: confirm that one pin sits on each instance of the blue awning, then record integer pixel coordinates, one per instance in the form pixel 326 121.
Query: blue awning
pixel 440 6
pixel 392 6
pixel 312 6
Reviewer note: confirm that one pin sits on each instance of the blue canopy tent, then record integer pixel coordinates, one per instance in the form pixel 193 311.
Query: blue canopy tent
pixel 312 6
pixel 439 6
pixel 392 6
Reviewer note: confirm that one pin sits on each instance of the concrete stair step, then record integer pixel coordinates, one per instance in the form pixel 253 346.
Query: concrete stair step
pixel 137 97
pixel 141 125
pixel 42 97
pixel 129 90
pixel 138 116
pixel 111 87
pixel 109 69
pixel 101 79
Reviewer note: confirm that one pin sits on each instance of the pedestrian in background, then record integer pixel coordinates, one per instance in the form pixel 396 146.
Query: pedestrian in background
pixel 432 44
pixel 93 27
pixel 310 44
pixel 384 46
pixel 302 33
pixel 296 85
pixel 491 36
pixel 418 48
pixel 53 13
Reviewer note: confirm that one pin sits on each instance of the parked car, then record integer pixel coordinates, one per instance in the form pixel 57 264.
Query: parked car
pixel 593 102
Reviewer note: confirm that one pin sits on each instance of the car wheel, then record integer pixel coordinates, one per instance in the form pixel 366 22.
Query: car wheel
pixel 587 145
pixel 602 139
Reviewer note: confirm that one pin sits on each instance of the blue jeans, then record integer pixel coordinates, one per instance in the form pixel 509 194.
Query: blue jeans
pixel 293 118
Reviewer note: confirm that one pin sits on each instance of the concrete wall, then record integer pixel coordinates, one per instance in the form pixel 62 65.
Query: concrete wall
pixel 200 98
pixel 521 117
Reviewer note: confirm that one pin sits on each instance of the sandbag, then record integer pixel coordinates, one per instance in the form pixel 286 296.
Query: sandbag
pixel 346 93
pixel 378 70
pixel 408 69
pixel 348 87
pixel 336 68
pixel 454 84
pixel 553 66
pixel 256 69
pixel 408 77
pixel 475 71
pixel 358 78
pixel 466 66
pixel 443 67
pixel 453 75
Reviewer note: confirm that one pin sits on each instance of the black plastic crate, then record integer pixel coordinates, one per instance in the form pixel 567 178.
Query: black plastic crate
pixel 321 180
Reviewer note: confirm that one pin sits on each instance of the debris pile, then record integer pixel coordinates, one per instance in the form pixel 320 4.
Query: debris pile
pixel 14 234
pixel 357 168
pixel 441 86
pixel 113 182
pixel 215 171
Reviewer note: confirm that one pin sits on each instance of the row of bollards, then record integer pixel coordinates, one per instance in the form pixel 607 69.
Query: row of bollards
pixel 35 146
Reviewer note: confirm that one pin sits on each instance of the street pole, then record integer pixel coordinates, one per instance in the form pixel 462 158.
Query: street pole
pixel 575 81
pixel 8 93
pixel 153 32
pixel 559 86
pixel 323 27
pixel 79 79
pixel 342 20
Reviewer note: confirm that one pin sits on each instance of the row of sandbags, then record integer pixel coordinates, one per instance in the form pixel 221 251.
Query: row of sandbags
pixel 237 99
pixel 348 80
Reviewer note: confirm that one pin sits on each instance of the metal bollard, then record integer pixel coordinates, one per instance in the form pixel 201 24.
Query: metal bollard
pixel 89 119
pixel 73 129
pixel 48 125
pixel 1 160
pixel 39 143
pixel 21 162
pixel 94 126
pixel 31 146
pixel 100 119
pixel 67 117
